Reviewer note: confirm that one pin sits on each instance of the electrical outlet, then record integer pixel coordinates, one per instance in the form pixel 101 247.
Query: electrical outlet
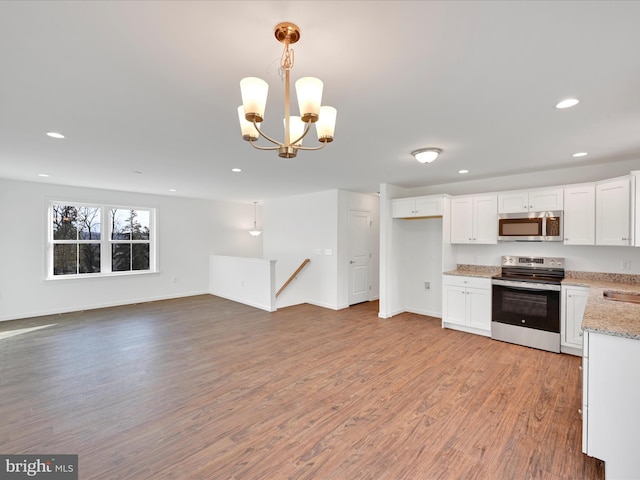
pixel 625 265
pixel 427 285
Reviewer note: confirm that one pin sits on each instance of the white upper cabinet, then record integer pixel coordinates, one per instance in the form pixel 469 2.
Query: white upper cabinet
pixel 613 212
pixel 580 215
pixel 474 219
pixel 542 200
pixel 415 207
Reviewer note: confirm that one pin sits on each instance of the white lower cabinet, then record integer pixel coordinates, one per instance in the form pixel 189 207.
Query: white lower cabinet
pixel 466 304
pixel 611 396
pixel 574 301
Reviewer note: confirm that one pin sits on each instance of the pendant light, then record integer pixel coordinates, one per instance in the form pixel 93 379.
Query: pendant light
pixel 255 232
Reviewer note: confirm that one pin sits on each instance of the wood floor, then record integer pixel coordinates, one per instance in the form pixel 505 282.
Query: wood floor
pixel 205 388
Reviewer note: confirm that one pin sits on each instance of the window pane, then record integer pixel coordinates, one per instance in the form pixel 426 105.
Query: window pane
pixel 140 230
pixel 89 223
pixel 65 259
pixel 140 256
pixel 65 222
pixel 121 257
pixel 89 256
pixel 120 224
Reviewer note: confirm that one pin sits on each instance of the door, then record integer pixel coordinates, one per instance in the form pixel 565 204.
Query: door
pixel 359 256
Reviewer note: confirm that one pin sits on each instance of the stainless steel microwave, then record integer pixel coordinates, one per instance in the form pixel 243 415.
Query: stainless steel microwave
pixel 530 227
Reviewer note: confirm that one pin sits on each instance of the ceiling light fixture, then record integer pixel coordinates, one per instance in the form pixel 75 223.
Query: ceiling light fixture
pixel 569 102
pixel 255 232
pixel 463 171
pixel 426 155
pixel 44 175
pixel 55 135
pixel 309 91
pixel 580 154
pixel 236 170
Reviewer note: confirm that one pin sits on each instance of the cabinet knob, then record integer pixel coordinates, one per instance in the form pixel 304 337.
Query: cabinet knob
pixel 569 296
pixel 469 239
pixel 580 334
pixel 474 239
pixel 566 239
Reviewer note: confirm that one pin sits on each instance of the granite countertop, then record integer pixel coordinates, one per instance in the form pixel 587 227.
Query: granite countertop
pixel 482 271
pixel 608 316
pixel 601 315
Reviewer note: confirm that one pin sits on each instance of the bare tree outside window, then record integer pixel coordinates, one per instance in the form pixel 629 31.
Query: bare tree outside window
pixel 75 230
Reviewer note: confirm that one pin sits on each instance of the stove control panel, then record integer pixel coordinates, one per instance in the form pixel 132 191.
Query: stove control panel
pixel 533 262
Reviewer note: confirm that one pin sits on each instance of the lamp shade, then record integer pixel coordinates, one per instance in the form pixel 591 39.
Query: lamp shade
pixel 249 132
pixel 309 92
pixel 254 97
pixel 326 124
pixel 426 155
pixel 296 129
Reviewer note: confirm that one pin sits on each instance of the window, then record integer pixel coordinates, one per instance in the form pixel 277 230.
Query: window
pixel 100 240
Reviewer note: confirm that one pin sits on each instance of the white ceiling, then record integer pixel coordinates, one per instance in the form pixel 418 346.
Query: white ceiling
pixel 153 87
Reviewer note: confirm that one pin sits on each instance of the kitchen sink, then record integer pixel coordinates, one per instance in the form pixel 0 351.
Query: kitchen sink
pixel 622 297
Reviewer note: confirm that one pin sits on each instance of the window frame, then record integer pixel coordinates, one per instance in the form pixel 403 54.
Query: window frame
pixel 106 242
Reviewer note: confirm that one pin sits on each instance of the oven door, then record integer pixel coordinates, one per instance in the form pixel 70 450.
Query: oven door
pixel 524 304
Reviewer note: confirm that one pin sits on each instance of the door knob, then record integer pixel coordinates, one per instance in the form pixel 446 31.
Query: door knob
pixel 351 261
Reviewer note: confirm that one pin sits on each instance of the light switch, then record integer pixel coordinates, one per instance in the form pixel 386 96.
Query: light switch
pixel 328 251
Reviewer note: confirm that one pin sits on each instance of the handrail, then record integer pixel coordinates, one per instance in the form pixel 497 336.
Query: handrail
pixel 293 275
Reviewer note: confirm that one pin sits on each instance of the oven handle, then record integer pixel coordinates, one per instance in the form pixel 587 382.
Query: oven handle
pixel 527 286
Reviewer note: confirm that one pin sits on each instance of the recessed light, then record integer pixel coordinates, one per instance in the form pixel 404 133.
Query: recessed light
pixel 172 190
pixel 463 171
pixel 55 135
pixel 569 102
pixel 44 175
pixel 236 170
pixel 426 155
pixel 580 154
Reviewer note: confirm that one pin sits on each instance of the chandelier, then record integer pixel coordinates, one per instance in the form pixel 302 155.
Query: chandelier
pixel 309 92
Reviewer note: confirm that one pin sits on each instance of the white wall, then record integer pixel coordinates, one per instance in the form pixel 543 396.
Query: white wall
pixel 578 257
pixel 419 251
pixel 296 228
pixel 188 232
pixel 315 226
pixel 245 280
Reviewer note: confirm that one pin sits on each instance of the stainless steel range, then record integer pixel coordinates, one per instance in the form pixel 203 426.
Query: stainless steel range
pixel 525 306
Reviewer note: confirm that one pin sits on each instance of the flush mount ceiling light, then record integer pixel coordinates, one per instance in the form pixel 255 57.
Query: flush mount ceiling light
pixel 426 155
pixel 569 102
pixel 55 135
pixel 580 154
pixel 309 91
pixel 255 232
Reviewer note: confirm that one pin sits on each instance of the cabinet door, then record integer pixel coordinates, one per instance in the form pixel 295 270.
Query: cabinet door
pixel 462 220
pixel 485 219
pixel 580 215
pixel 479 308
pixel 612 212
pixel 428 206
pixel 403 208
pixel 513 202
pixel 546 200
pixel 454 305
pixel 575 301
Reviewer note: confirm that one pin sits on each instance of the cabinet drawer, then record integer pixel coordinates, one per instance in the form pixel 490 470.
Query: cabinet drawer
pixel 460 281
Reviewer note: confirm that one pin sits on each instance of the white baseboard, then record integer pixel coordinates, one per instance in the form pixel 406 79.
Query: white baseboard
pixel 80 308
